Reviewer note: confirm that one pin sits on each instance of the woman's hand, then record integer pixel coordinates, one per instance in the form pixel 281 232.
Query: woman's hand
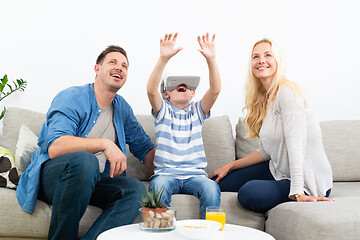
pixel 306 198
pixel 167 46
pixel 221 172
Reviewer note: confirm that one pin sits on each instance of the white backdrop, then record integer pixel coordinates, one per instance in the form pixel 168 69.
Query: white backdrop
pixel 54 45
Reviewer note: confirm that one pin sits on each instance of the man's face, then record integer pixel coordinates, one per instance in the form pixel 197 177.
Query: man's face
pixel 112 72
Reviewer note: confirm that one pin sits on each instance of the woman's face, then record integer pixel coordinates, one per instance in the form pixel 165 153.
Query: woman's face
pixel 263 62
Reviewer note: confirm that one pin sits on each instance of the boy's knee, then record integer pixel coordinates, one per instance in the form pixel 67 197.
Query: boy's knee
pixel 213 188
pixel 159 182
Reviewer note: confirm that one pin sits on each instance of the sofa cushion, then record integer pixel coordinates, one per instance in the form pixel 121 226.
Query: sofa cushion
pixel 341 140
pixel 12 121
pixel 244 145
pixel 17 223
pixel 134 167
pixel 319 220
pixel 218 141
pixel 25 148
pixel 9 177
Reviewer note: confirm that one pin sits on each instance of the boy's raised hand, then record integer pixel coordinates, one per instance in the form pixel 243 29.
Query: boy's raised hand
pixel 167 46
pixel 207 46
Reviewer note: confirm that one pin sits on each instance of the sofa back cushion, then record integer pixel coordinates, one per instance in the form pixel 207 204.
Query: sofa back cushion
pixel 341 140
pixel 217 134
pixel 12 121
pixel 244 146
pixel 219 145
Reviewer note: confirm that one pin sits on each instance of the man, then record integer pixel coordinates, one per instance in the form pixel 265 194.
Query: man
pixel 82 154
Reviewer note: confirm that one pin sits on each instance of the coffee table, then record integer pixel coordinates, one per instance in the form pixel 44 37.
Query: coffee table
pixel 134 232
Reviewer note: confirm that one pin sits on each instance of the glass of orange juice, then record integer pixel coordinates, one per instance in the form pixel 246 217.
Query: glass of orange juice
pixel 216 214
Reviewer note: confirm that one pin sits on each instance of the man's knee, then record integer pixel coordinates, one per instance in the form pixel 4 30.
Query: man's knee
pixel 84 167
pixel 138 186
pixel 83 161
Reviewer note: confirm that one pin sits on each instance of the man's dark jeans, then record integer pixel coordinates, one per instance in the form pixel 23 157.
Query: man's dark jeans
pixel 72 181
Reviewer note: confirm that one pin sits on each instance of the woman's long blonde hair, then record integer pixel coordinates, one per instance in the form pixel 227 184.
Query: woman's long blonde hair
pixel 257 98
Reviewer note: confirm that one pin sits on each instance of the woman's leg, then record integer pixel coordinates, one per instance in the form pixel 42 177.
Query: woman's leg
pixel 262 195
pixel 234 180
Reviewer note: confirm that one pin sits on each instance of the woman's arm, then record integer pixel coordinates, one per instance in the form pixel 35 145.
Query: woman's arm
pixel 252 159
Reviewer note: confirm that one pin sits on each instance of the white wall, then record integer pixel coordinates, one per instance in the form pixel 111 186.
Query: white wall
pixel 54 45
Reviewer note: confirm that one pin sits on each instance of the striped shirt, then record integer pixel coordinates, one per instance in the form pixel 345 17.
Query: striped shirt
pixel 179 145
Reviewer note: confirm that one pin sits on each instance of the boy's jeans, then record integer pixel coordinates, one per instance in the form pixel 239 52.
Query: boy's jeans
pixel 203 188
pixel 72 181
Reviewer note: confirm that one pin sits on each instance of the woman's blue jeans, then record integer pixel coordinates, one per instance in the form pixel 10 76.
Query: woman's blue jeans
pixel 203 188
pixel 257 189
pixel 72 181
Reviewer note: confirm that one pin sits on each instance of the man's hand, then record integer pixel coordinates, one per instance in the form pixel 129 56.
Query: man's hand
pixel 207 46
pixel 116 158
pixel 167 46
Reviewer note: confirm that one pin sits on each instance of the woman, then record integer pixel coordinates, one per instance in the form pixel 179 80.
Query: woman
pixel 291 163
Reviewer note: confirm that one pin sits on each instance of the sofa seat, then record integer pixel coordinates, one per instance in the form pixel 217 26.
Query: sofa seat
pixel 15 223
pixel 321 220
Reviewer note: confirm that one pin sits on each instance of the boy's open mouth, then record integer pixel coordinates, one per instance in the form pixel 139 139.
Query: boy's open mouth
pixel 181 88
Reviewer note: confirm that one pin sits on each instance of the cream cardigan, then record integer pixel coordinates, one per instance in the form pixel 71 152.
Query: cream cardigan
pixel 290 137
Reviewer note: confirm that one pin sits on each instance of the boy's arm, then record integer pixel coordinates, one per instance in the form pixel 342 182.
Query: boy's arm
pixel 167 50
pixel 208 51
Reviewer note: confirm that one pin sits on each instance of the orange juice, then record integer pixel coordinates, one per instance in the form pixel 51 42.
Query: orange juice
pixel 216 216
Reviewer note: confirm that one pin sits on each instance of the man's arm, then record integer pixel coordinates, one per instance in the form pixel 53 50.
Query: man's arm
pixel 208 51
pixel 68 144
pixel 167 50
pixel 149 160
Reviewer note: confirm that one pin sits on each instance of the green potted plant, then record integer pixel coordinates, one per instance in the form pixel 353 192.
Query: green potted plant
pixel 7 89
pixel 153 213
pixel 152 200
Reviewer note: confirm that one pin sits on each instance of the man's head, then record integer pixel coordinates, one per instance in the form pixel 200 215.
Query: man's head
pixel 109 49
pixel 111 68
pixel 179 89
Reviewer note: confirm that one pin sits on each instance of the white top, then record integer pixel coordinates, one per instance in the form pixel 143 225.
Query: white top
pixel 179 145
pixel 290 137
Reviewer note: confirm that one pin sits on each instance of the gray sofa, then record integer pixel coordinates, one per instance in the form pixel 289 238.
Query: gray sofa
pixel 322 220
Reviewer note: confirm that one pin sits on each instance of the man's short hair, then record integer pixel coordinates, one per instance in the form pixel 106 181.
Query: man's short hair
pixel 109 49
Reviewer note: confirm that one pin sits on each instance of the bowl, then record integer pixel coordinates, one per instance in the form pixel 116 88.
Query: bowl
pixel 197 228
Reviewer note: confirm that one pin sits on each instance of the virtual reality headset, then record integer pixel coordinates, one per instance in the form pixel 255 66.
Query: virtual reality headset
pixel 169 83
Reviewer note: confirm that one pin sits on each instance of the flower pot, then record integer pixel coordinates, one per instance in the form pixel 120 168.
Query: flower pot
pixel 157 219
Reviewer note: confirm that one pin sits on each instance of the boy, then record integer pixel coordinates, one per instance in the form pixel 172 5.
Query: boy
pixel 180 159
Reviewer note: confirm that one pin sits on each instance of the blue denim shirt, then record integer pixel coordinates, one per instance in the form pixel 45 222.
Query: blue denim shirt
pixel 74 111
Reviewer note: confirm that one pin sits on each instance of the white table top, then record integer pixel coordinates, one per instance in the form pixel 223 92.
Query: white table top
pixel 134 232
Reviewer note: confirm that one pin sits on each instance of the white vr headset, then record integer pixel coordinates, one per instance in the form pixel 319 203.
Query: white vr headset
pixel 169 83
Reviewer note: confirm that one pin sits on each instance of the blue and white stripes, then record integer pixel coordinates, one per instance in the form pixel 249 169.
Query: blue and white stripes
pixel 179 146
